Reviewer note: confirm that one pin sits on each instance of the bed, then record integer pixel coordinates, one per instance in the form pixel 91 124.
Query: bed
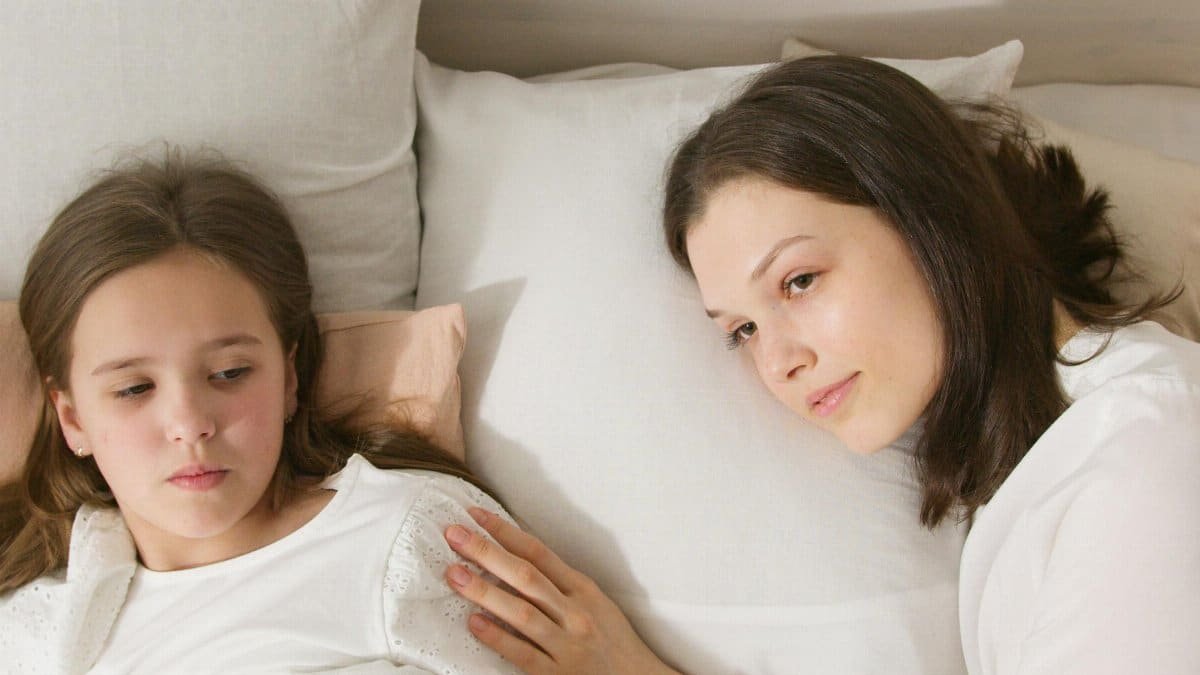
pixel 507 158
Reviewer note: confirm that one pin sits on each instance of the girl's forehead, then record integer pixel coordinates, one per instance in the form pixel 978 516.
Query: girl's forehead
pixel 177 301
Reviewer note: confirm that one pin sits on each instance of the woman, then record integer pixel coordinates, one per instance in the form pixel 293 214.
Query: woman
pixel 887 262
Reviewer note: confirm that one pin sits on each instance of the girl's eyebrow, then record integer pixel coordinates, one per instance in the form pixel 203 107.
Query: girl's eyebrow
pixel 118 364
pixel 211 345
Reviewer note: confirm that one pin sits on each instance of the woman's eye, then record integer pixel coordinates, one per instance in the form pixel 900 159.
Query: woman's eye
pixel 230 374
pixel 738 336
pixel 135 390
pixel 799 283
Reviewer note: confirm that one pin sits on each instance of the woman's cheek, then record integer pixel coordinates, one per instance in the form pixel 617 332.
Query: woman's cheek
pixel 833 326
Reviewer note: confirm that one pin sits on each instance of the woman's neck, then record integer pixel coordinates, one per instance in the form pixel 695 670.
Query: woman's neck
pixel 1065 326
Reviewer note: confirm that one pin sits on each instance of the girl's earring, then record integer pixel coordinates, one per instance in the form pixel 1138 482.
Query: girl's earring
pixel 288 420
pixel 79 451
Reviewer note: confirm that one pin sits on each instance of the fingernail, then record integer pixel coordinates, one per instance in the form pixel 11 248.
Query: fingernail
pixel 459 576
pixel 457 534
pixel 479 515
pixel 477 623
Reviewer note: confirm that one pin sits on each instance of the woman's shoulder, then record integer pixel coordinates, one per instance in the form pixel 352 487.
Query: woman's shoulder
pixel 1142 359
pixel 1133 423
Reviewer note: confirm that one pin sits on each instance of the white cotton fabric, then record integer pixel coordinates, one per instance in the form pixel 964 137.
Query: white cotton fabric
pixel 57 624
pixel 1087 560
pixel 359 589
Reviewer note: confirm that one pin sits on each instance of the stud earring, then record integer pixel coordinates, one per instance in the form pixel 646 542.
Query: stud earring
pixel 288 420
pixel 79 451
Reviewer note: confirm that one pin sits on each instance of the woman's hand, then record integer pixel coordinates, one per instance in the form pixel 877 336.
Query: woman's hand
pixel 569 625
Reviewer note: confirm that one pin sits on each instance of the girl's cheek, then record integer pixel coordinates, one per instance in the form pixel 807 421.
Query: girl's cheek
pixel 258 407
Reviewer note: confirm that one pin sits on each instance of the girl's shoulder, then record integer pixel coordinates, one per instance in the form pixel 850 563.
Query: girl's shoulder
pixel 59 621
pixel 424 620
pixel 416 490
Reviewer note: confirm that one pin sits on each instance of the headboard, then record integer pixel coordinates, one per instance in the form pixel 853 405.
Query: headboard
pixel 1101 41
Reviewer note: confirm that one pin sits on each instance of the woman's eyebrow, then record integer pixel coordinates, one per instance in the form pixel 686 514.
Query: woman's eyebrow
pixel 761 268
pixel 771 255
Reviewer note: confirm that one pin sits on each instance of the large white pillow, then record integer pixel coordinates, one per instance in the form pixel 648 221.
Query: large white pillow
pixel 600 403
pixel 316 97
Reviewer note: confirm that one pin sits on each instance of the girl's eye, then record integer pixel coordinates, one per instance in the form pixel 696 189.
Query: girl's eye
pixel 738 336
pixel 230 374
pixel 134 391
pixel 799 283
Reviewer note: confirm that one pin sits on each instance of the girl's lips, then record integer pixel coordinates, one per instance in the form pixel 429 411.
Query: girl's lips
pixel 204 480
pixel 824 402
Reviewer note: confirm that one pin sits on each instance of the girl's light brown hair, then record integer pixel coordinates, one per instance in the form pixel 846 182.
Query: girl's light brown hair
pixel 133 214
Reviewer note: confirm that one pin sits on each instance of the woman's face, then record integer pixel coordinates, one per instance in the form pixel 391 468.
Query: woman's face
pixel 179 388
pixel 827 301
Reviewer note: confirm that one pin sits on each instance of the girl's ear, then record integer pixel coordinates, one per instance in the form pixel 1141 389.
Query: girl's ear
pixel 68 418
pixel 290 384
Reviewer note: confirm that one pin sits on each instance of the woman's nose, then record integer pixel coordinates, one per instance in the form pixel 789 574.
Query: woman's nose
pixel 783 356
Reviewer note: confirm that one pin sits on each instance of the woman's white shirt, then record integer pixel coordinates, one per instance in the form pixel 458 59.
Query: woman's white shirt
pixel 1087 559
pixel 357 589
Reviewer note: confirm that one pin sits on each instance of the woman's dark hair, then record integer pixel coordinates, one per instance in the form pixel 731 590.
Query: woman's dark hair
pixel 131 216
pixel 999 227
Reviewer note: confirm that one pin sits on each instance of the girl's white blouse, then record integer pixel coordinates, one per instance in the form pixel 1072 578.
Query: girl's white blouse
pixel 1087 559
pixel 358 589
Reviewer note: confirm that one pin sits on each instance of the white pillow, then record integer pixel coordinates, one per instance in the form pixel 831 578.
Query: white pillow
pixel 957 77
pixel 600 403
pixel 316 97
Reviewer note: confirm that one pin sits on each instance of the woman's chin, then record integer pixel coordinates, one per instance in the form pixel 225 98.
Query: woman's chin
pixel 864 443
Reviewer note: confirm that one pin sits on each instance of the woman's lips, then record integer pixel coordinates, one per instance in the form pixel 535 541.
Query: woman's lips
pixel 824 402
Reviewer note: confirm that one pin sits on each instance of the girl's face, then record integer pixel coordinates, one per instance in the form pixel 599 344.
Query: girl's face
pixel 828 302
pixel 179 388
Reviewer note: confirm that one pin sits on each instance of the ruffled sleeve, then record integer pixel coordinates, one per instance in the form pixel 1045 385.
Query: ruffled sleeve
pixel 425 620
pixel 58 623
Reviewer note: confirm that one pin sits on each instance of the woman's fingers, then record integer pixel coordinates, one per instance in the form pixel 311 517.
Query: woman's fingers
pixel 525 546
pixel 516 612
pixel 516 651
pixel 569 625
pixel 517 572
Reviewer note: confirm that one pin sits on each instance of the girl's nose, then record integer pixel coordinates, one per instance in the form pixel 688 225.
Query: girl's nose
pixel 189 419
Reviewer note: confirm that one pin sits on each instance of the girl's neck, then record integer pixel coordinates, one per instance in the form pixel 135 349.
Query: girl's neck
pixel 166 552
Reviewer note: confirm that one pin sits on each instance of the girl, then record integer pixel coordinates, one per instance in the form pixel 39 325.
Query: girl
pixel 185 507
pixel 885 263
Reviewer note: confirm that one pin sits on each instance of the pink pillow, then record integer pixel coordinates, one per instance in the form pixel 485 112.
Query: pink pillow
pixel 402 367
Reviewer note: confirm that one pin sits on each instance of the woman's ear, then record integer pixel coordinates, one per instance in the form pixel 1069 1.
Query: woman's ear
pixel 68 418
